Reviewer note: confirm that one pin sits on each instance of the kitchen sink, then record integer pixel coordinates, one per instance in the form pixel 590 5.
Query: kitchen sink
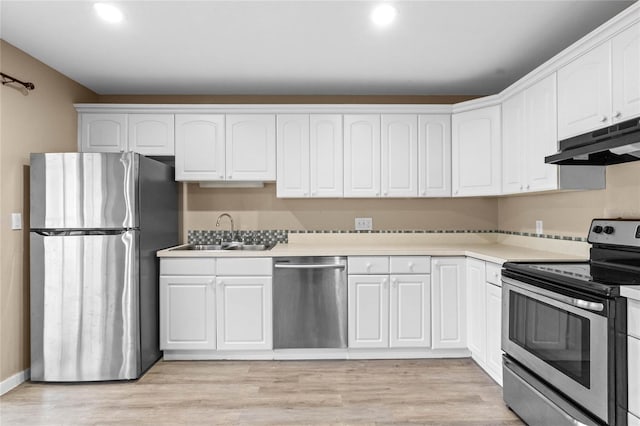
pixel 227 246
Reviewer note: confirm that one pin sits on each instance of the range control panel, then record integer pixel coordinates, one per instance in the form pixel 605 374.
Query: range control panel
pixel 622 232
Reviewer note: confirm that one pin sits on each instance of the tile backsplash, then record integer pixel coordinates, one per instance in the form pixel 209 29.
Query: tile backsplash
pixel 282 235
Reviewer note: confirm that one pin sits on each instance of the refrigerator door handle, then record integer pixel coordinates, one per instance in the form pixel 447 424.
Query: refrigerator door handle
pixel 79 232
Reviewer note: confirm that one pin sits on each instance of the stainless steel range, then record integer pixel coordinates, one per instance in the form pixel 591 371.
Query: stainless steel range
pixel 564 331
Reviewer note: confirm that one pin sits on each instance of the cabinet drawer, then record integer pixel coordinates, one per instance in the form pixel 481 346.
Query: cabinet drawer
pixel 188 266
pixel 368 264
pixel 410 264
pixel 245 266
pixel 633 318
pixel 494 273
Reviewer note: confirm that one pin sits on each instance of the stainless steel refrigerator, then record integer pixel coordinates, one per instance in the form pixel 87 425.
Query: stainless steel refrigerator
pixel 96 222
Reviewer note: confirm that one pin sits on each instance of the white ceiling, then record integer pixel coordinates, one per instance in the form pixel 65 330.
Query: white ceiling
pixel 299 47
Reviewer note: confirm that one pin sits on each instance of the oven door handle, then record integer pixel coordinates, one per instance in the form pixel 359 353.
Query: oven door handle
pixel 578 303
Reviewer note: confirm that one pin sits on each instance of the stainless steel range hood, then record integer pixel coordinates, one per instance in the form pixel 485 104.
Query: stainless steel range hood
pixel 612 145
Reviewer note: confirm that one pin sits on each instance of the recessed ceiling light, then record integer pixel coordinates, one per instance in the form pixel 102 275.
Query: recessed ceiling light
pixel 108 12
pixel 383 15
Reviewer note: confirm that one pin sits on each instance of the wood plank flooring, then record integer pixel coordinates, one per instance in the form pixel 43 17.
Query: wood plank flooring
pixel 430 391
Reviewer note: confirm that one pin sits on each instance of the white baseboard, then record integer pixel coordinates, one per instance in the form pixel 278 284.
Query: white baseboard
pixel 13 381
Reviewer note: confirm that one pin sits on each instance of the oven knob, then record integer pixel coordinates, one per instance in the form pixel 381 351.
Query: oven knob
pixel 608 230
pixel 597 229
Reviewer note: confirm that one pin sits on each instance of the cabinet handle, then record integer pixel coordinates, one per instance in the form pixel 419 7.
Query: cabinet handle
pixel 456 192
pixel 385 193
pixel 520 187
pixel 528 186
pixel 229 176
pixel 394 282
pixel 410 265
pixel 617 114
pixel 305 194
pixel 368 266
pixel 377 194
pixel 603 119
pixel 424 192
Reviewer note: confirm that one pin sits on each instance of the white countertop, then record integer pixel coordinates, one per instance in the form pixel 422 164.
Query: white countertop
pixel 498 253
pixel 631 291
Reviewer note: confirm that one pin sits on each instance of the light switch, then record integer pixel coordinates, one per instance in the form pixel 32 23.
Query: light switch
pixel 539 229
pixel 364 224
pixel 16 220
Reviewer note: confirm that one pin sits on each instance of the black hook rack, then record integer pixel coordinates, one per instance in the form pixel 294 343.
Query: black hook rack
pixel 7 79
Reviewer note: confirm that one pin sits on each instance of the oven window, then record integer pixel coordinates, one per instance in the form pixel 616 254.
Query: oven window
pixel 558 337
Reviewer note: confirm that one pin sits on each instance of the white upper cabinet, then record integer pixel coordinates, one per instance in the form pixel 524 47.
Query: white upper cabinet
pixel 625 67
pixel 601 87
pixel 399 155
pixel 528 135
pixel 309 155
pixel 147 134
pixel 513 144
pixel 476 158
pixel 151 134
pixel 103 132
pixel 250 147
pixel 434 155
pixel 361 155
pixel 584 93
pixel 200 147
pixel 326 155
pixel 541 135
pixel 293 155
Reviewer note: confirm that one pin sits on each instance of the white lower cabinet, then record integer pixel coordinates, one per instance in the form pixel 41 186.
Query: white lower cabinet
pixel 187 312
pixel 410 311
pixel 448 291
pixel 244 316
pixel 484 310
pixel 390 308
pixel 368 311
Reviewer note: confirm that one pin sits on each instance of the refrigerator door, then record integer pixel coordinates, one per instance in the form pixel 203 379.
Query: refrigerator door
pixel 84 190
pixel 85 306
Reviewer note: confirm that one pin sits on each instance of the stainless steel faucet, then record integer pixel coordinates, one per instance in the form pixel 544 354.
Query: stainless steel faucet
pixel 230 218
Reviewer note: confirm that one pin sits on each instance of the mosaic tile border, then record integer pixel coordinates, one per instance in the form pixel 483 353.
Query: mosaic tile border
pixel 282 235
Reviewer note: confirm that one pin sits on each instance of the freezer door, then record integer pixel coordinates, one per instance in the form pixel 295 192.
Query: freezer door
pixel 84 307
pixel 84 190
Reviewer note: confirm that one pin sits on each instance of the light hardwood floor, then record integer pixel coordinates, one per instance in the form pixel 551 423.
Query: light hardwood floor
pixel 435 392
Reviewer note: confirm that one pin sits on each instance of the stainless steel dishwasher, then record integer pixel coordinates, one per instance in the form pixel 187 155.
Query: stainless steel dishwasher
pixel 309 302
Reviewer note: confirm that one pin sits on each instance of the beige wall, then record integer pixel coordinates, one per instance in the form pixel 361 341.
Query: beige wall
pixel 44 120
pixel 570 213
pixel 260 209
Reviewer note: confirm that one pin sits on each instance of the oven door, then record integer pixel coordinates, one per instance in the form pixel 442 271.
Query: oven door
pixel 561 339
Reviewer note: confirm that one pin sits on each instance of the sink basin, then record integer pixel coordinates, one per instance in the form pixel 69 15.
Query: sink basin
pixel 226 246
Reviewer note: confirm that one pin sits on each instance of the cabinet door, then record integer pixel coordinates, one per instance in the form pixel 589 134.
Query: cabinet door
pixel 476 312
pixel 399 156
pixel 493 300
pixel 541 135
pixel 151 134
pixel 476 146
pixel 187 312
pixel 584 93
pixel 251 147
pixel 293 155
pixel 625 68
pixel 368 311
pixel 448 292
pixel 244 313
pixel 361 155
pixel 633 357
pixel 326 155
pixel 103 132
pixel 200 147
pixel 434 155
pixel 513 144
pixel 410 311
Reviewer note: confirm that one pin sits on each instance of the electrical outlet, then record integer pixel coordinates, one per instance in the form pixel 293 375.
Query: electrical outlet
pixel 364 223
pixel 16 220
pixel 539 229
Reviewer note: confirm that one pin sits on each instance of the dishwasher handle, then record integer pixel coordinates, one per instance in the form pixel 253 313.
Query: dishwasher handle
pixel 309 266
